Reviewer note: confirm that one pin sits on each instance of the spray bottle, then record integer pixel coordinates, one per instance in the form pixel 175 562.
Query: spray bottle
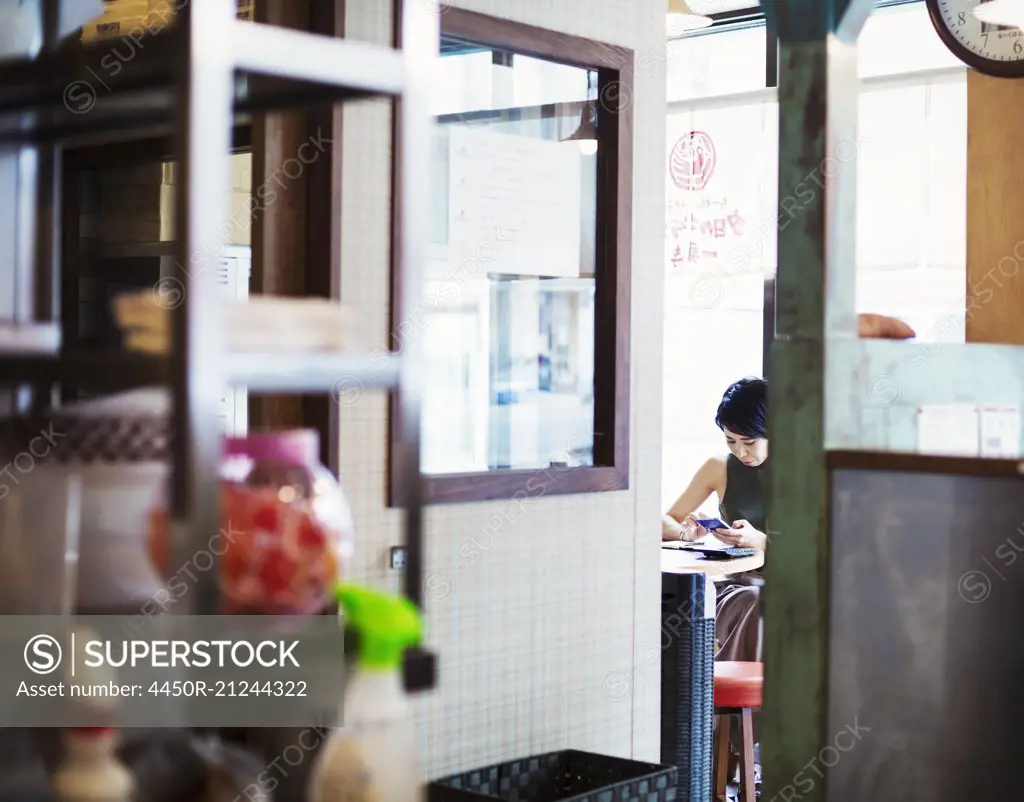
pixel 90 771
pixel 373 757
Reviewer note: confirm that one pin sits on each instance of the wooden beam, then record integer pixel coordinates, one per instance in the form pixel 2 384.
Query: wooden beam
pixel 815 291
pixel 323 224
pixel 280 180
pixel 995 210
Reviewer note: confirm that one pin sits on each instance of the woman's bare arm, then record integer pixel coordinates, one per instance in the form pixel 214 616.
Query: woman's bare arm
pixel 707 480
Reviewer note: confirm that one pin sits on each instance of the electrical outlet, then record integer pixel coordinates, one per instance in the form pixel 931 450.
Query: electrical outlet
pixel 398 557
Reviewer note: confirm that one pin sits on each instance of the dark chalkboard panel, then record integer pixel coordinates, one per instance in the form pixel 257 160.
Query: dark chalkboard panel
pixel 927 642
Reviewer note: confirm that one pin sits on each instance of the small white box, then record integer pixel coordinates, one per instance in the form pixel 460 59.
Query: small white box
pixel 949 430
pixel 1000 430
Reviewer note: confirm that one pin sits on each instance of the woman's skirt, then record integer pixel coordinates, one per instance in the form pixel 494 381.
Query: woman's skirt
pixel 738 625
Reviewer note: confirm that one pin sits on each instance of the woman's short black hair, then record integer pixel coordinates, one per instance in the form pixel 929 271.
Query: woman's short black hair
pixel 744 408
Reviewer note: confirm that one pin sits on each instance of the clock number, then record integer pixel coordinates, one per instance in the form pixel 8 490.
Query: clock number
pixel 996 50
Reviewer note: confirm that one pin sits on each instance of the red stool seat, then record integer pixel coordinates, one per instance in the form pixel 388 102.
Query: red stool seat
pixel 738 684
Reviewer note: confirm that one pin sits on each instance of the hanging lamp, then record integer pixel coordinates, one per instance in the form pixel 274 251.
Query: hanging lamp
pixel 681 19
pixel 586 132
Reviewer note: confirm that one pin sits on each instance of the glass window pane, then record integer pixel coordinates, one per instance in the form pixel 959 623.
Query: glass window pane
pixel 696 374
pixel 720 238
pixel 911 193
pixel 901 40
pixel 463 83
pixel 912 196
pixel 536 82
pixel 713 64
pixel 891 182
pixel 946 138
pixel 720 188
pixel 510 280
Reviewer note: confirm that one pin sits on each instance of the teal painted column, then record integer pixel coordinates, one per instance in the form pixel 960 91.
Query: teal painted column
pixel 815 302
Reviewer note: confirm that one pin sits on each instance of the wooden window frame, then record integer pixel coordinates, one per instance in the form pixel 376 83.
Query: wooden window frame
pixel 613 257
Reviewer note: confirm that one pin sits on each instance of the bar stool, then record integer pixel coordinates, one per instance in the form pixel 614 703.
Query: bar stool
pixel 738 689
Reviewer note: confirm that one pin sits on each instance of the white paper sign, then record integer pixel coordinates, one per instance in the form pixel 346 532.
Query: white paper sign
pixel 514 203
pixel 949 430
pixel 1000 430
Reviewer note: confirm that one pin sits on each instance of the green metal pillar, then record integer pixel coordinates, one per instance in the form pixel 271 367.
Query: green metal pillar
pixel 815 303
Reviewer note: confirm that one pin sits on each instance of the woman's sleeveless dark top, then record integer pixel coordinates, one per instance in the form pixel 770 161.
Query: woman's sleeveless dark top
pixel 746 491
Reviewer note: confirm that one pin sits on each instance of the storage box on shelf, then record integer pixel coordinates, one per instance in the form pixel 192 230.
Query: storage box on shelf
pixel 120 18
pixel 134 17
pixel 208 94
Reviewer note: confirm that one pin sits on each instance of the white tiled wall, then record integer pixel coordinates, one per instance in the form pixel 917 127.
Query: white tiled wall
pixel 542 616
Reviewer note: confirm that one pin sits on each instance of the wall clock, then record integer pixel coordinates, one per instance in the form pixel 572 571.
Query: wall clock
pixel 990 49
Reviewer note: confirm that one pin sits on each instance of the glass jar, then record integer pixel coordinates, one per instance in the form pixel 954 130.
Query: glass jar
pixel 287 522
pixel 286 527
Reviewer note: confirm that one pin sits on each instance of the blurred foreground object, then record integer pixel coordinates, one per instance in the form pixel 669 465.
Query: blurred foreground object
pixel 21 29
pixel 883 327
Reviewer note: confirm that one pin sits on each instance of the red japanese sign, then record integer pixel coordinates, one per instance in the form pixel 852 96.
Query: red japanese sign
pixel 700 229
pixel 692 161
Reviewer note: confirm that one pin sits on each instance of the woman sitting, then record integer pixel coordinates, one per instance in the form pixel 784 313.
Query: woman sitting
pixel 740 479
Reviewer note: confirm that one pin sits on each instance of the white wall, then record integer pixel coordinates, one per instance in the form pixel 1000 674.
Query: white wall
pixel 540 616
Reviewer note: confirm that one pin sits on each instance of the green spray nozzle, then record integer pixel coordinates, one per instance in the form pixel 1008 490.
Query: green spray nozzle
pixel 387 625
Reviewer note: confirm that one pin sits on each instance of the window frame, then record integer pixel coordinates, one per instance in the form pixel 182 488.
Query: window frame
pixel 612 276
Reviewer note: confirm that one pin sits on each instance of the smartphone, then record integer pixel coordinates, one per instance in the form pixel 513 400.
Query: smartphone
pixel 711 524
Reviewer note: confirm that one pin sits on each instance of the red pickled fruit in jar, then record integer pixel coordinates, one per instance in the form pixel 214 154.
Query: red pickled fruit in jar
pixel 246 593
pixel 159 547
pixel 311 534
pixel 274 576
pixel 266 518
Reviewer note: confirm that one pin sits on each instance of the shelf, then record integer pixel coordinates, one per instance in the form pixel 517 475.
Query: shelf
pixel 885 461
pixel 100 370
pixel 84 90
pixel 186 92
pixel 345 376
pixel 136 250
pixel 321 60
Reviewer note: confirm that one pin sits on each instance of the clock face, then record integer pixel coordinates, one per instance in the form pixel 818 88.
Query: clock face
pixel 992 49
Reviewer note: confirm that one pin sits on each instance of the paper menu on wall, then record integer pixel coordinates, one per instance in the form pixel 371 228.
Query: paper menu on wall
pixel 1000 430
pixel 948 430
pixel 971 430
pixel 514 204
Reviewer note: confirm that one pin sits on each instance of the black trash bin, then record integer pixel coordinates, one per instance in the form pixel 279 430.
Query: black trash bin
pixel 566 776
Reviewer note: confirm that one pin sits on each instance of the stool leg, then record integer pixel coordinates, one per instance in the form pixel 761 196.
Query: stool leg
pixel 722 754
pixel 747 754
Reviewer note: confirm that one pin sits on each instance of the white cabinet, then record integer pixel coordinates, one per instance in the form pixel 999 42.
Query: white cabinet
pixel 233 272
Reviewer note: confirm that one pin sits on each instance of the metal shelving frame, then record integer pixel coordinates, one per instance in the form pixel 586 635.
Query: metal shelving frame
pixel 198 75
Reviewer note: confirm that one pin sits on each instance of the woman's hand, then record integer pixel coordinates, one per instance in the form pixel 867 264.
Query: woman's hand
pixel 686 530
pixel 691 529
pixel 742 536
